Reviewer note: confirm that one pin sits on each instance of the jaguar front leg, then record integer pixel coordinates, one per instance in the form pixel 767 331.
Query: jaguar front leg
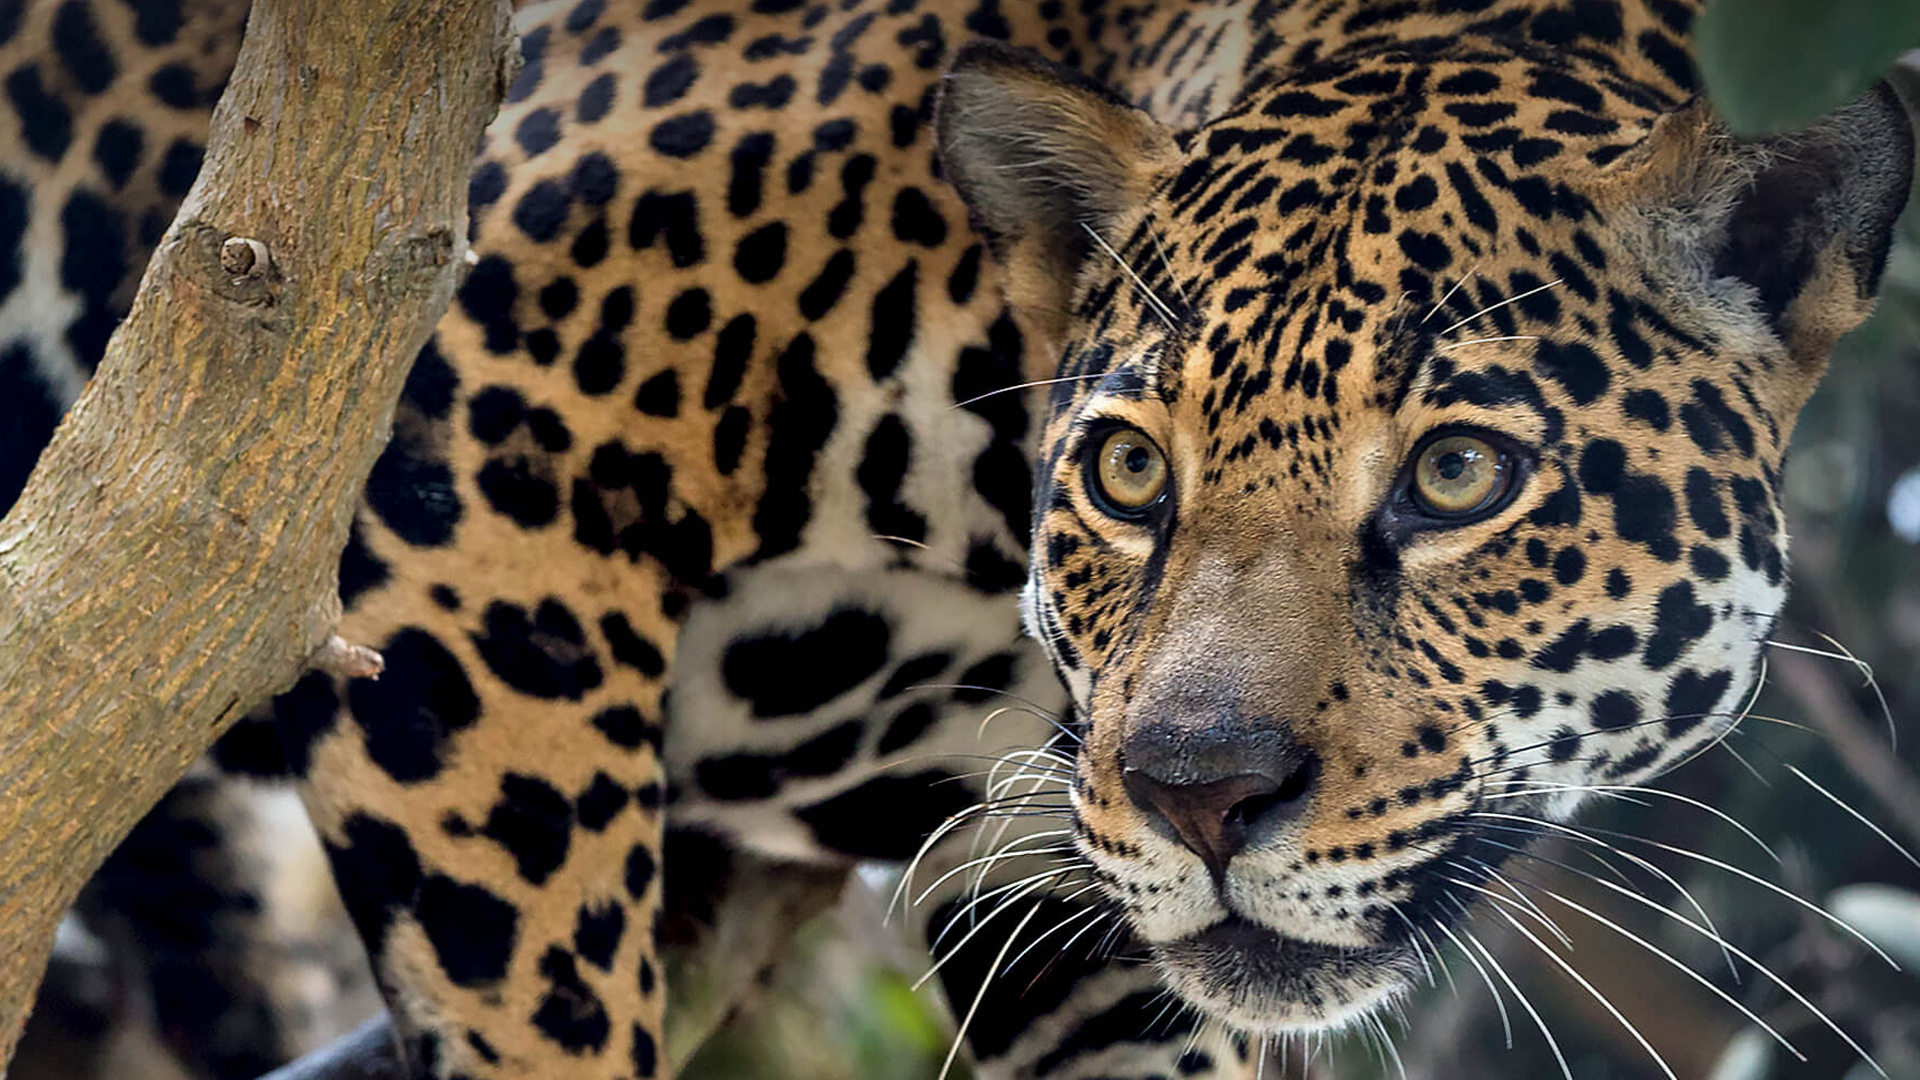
pixel 492 806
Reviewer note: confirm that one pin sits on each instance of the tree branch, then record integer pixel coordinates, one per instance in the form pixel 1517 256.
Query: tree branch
pixel 172 560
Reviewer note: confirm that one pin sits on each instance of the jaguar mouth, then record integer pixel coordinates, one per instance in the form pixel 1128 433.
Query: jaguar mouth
pixel 1262 981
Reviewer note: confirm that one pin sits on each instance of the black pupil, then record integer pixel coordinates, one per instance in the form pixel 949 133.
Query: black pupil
pixel 1451 465
pixel 1137 459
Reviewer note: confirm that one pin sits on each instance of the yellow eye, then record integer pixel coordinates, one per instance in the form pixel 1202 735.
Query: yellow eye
pixel 1456 475
pixel 1129 472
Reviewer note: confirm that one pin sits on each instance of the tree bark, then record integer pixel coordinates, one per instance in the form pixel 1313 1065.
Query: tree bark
pixel 172 560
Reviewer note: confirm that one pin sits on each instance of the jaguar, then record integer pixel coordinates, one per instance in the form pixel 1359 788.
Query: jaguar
pixel 1234 452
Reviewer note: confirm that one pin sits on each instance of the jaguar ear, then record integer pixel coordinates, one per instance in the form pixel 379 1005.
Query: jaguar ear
pixel 1041 154
pixel 1803 220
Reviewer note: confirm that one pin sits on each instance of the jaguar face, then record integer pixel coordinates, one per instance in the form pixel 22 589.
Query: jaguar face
pixel 1404 487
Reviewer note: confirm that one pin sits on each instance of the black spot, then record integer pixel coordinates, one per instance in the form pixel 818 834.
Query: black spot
pixel 545 656
pixel 674 218
pixel 906 726
pixel 597 931
pixel 117 151
pixel 516 488
pixel 1575 367
pixel 730 438
pixel 542 211
pixel 803 416
pixel 660 395
pixel 682 136
pixel 625 727
pixel 1692 697
pixel 1704 506
pixel 600 803
pixel 792 674
pixel 77 42
pixel 537 132
pixel 570 1013
pixel 594 179
pixel 413 491
pixel 980 682
pixel 600 364
pixel 472 931
pixel 887 817
pixel 670 81
pixel 894 308
pixel 915 221
pixel 825 291
pixel 641 870
pixel 283 748
pixel 596 100
pixel 761 253
pixel 178 166
pixel 1678 621
pixel 738 777
pixel 32 411
pixel 826 753
pixel 156 22
pixel 913 672
pixel 534 823
pixel 430 383
pixel 748 163
pixel 1614 710
pixel 1045 982
pixel 732 350
pixel 646 1057
pixel 488 297
pixel 45 123
pixel 378 872
pixel 420 701
pixel 600 46
pixel 689 314
pixel 1649 408
pixel 1565 651
pixel 882 470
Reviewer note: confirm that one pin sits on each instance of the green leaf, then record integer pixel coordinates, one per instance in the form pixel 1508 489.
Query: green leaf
pixel 1774 65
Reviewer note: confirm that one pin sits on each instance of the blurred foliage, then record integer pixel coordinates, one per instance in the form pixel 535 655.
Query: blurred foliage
pixel 1773 65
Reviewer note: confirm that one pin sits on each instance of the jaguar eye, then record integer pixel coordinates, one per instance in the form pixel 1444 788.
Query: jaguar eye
pixel 1128 473
pixel 1457 475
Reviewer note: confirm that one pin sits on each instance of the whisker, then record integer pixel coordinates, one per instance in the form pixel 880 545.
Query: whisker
pixel 1672 882
pixel 1453 345
pixel 1591 990
pixel 1641 790
pixel 1788 894
pixel 1490 308
pixel 1678 966
pixel 1857 815
pixel 980 994
pixel 1004 905
pixel 1506 1025
pixel 1735 949
pixel 1153 299
pixel 1011 389
pixel 1846 655
pixel 1448 295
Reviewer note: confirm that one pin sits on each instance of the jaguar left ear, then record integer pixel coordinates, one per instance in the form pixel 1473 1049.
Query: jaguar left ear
pixel 1041 154
pixel 1803 219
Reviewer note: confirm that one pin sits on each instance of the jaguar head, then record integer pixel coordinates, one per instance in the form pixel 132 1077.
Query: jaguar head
pixel 1413 473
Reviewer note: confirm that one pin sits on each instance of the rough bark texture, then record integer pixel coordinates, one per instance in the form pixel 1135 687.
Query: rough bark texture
pixel 172 561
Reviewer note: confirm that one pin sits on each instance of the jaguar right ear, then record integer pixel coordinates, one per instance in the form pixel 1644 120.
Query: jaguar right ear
pixel 1042 154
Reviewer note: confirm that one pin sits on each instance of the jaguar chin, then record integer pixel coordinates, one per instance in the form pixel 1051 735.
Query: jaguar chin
pixel 1260 981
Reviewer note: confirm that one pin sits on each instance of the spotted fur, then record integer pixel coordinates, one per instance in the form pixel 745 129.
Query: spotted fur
pixel 718 497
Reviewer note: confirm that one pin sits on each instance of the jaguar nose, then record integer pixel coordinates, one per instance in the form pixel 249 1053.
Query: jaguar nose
pixel 1210 791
